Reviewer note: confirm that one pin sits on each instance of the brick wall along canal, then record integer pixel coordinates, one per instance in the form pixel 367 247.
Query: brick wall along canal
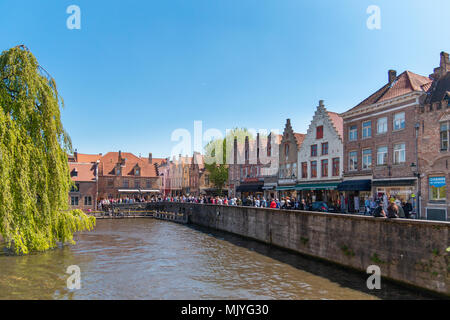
pixel 153 259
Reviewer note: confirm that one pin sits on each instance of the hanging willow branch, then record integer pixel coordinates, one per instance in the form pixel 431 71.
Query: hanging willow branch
pixel 34 173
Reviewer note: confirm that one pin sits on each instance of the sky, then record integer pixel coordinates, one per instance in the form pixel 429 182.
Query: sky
pixel 137 71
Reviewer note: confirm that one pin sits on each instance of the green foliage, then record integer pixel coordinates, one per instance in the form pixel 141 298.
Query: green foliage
pixel 34 173
pixel 218 155
pixel 375 258
pixel 347 251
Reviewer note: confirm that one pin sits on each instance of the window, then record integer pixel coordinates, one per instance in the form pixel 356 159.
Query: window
pixel 319 132
pixel 313 169
pixel 148 183
pixel 74 201
pixel 304 170
pixel 444 136
pixel 367 158
pixel 325 148
pixel 207 179
pixel 382 125
pixel 336 167
pixel 75 188
pixel 137 184
pixel 88 201
pixel 382 153
pixel 294 169
pixel 399 153
pixel 353 133
pixel 286 151
pixel 110 182
pixel 325 168
pixel 353 161
pixel 399 121
pixel 367 129
pixel 438 189
pixel 125 183
pixel 314 150
pixel 118 171
pixel 137 171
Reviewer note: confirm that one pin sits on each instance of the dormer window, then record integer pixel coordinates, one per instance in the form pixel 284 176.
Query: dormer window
pixel 137 171
pixel 118 171
pixel 74 172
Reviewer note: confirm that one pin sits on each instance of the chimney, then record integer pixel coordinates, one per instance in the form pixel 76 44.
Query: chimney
pixel 321 103
pixel 120 156
pixel 392 75
pixel 150 158
pixel 75 155
pixel 444 67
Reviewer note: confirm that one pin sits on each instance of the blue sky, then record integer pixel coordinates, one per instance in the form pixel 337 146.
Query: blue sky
pixel 137 70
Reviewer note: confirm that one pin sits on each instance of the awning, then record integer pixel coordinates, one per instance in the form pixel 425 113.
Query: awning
pixel 268 187
pixel 285 188
pixel 394 183
pixel 136 191
pixel 250 187
pixel 355 185
pixel 148 191
pixel 318 186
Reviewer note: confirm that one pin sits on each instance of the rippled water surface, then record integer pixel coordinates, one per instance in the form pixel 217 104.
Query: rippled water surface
pixel 152 259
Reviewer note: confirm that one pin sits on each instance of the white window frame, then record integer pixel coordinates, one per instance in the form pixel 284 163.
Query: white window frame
pixel 399 151
pixel 350 168
pixel 384 122
pixel 401 120
pixel 367 130
pixel 368 165
pixel 385 157
pixel 353 133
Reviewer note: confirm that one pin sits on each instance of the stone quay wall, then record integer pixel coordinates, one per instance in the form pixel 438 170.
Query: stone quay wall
pixel 413 252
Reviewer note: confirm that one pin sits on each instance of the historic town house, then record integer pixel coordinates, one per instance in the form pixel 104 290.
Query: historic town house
pixel 433 125
pixel 320 158
pixel 379 145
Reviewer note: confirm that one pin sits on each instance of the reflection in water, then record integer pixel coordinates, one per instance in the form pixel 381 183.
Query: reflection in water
pixel 152 259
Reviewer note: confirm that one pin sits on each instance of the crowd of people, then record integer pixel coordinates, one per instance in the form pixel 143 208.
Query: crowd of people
pixel 387 207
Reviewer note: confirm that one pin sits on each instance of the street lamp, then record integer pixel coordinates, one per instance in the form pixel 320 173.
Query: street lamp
pixel 416 173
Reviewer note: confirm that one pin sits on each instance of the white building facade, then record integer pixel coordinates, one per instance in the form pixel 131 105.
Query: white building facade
pixel 320 159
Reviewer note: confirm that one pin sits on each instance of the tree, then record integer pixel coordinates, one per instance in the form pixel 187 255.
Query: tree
pixel 218 155
pixel 34 172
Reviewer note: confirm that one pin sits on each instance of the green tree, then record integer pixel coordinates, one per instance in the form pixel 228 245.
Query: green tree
pixel 218 156
pixel 34 172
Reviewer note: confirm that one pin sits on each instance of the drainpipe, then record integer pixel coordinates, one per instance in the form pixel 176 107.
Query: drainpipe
pixel 417 174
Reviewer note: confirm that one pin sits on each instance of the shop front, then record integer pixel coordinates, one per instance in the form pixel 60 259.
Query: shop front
pixel 398 189
pixel 353 193
pixel 436 202
pixel 312 192
pixel 250 189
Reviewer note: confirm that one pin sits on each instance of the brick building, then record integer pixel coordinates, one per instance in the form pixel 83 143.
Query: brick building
pixel 122 174
pixel 270 169
pixel 320 158
pixel 85 176
pixel 379 144
pixel 433 119
pixel 288 155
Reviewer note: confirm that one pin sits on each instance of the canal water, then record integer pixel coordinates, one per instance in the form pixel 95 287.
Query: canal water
pixel 153 259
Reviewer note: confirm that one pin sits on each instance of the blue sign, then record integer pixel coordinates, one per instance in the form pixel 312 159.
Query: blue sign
pixel 437 182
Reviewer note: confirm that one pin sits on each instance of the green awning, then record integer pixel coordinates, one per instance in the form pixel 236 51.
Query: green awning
pixel 285 188
pixel 318 186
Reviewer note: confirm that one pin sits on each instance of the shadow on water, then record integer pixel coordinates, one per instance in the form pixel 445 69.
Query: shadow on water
pixel 345 277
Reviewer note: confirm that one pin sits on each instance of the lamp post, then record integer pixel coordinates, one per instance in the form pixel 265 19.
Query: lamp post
pixel 415 171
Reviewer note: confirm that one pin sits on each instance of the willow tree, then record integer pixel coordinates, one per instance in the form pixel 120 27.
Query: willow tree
pixel 34 173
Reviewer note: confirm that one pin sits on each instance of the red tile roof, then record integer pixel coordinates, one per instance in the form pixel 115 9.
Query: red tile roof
pixel 406 82
pixel 338 123
pixel 109 161
pixel 82 157
pixel 299 137
pixel 85 171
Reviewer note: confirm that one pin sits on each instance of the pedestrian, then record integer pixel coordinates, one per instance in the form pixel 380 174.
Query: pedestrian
pixel 392 210
pixel 379 211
